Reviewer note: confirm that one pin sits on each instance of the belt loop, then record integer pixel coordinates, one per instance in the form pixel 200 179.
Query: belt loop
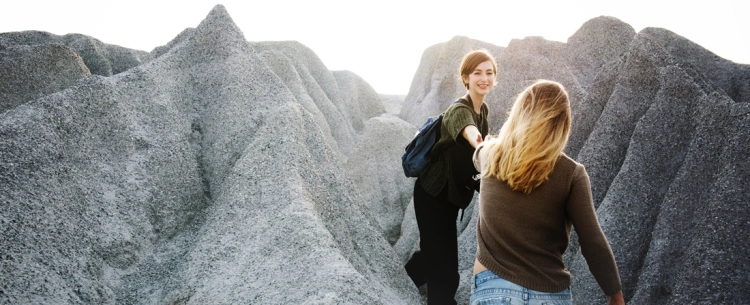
pixel 474 283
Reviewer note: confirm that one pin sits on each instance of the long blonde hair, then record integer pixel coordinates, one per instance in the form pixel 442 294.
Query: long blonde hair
pixel 532 138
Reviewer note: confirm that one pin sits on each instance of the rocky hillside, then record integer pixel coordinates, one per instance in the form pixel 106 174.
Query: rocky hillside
pixel 211 173
pixel 36 64
pixel 214 170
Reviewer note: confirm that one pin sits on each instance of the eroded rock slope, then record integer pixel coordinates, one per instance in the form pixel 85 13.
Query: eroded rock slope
pixel 217 170
pixel 211 174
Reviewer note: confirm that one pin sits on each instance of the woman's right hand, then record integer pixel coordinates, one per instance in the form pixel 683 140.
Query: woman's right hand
pixel 616 299
pixel 478 140
pixel 472 135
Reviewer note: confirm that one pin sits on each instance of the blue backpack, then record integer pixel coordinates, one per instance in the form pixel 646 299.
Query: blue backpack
pixel 417 153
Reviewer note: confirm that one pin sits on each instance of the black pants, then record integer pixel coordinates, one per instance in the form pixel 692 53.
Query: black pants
pixel 437 262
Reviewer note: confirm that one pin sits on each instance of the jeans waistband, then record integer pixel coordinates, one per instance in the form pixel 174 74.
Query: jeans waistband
pixel 486 282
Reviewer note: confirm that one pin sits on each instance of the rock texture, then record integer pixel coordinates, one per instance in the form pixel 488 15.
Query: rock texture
pixel 668 154
pixel 214 170
pixel 34 64
pixel 393 103
pixel 100 58
pixel 30 72
pixel 212 174
pixel 375 169
pixel 662 127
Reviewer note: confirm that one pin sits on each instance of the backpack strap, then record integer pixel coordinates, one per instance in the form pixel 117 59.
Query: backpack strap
pixel 464 100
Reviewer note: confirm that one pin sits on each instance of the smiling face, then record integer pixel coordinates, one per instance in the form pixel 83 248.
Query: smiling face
pixel 481 80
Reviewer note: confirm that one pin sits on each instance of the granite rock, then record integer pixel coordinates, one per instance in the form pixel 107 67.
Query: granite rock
pixel 30 72
pixel 392 103
pixel 702 64
pixel 598 41
pixel 217 170
pixel 100 58
pixel 198 177
pixel 375 168
pixel 669 165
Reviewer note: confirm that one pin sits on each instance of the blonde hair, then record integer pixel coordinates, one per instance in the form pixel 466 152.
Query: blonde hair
pixel 472 60
pixel 531 139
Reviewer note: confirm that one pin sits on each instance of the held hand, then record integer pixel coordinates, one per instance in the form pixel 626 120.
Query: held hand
pixel 616 299
pixel 472 135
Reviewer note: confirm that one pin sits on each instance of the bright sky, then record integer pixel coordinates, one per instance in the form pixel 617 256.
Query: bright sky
pixel 382 41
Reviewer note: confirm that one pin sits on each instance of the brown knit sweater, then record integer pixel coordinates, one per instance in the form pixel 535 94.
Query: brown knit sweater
pixel 522 237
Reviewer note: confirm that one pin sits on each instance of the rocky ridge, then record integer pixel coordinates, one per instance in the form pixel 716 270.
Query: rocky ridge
pixel 217 170
pixel 211 173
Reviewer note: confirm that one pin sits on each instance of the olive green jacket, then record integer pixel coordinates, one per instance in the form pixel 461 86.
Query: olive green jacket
pixel 453 166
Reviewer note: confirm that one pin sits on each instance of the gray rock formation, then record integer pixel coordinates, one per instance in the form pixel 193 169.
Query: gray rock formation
pixel 34 64
pixel 662 127
pixel 598 42
pixel 593 55
pixel 313 86
pixel 203 176
pixel 393 103
pixel 668 153
pixel 30 72
pixel 375 168
pixel 214 170
pixel 360 101
pixel 100 58
pixel 700 63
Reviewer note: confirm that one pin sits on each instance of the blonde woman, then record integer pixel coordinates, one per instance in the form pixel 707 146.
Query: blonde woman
pixel 532 193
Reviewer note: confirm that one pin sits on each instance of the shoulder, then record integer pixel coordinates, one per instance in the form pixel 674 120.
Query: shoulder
pixel 570 167
pixel 460 104
pixel 577 176
pixel 459 110
pixel 567 162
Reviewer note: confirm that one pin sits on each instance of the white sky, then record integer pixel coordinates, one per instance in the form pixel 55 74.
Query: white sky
pixel 382 41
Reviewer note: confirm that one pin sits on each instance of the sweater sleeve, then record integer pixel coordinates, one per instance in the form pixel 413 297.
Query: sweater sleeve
pixel 594 245
pixel 456 118
pixel 477 158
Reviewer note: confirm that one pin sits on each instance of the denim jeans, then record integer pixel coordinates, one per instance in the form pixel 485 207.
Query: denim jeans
pixel 490 289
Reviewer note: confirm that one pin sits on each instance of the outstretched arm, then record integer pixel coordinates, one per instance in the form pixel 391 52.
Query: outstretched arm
pixel 616 299
pixel 472 134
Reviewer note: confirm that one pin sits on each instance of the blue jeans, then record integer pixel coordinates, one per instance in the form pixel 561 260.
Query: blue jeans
pixel 490 289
